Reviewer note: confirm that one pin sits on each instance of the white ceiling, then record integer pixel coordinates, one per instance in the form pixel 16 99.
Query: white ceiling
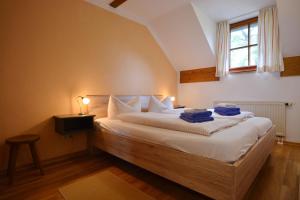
pixel 147 10
pixel 142 11
pixel 220 10
pixel 151 9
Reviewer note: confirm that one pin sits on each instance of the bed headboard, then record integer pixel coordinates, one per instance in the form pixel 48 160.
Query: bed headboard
pixel 99 103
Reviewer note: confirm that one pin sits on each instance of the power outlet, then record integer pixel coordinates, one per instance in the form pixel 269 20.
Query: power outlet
pixel 289 104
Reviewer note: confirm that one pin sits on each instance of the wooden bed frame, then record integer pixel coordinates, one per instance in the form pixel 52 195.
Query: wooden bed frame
pixel 216 179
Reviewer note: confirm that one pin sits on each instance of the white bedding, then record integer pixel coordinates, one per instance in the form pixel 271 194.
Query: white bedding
pixel 227 145
pixel 262 124
pixel 243 116
pixel 173 122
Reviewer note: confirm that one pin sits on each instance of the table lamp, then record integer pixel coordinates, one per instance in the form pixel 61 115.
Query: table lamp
pixel 83 100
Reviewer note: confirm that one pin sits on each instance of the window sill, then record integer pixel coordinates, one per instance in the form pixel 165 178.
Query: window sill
pixel 243 69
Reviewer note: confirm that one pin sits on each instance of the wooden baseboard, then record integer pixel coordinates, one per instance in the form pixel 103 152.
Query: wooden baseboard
pixel 291 143
pixel 52 161
pixel 299 188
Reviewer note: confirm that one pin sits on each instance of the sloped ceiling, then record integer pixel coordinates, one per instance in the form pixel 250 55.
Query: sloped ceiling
pixel 183 38
pixel 141 11
pixel 185 29
pixel 220 10
pixel 152 9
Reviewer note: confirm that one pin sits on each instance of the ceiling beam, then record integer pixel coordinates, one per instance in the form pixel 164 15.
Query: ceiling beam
pixel 116 3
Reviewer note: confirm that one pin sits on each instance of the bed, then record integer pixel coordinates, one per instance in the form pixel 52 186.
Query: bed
pixel 229 178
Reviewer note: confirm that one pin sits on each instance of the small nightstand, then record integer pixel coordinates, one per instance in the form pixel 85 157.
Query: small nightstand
pixel 70 124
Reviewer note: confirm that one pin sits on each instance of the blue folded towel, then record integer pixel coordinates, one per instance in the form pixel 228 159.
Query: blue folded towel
pixel 196 119
pixel 195 113
pixel 227 111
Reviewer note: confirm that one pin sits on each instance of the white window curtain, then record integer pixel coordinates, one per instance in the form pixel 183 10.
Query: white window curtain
pixel 269 52
pixel 223 35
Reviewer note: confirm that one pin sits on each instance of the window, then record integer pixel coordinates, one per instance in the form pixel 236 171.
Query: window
pixel 243 45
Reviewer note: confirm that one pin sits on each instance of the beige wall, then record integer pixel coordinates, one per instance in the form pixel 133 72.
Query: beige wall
pixel 53 50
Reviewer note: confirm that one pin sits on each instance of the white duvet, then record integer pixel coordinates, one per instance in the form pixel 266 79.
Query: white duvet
pixel 173 122
pixel 227 145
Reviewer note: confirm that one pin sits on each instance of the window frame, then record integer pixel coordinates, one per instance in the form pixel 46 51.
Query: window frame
pixel 248 68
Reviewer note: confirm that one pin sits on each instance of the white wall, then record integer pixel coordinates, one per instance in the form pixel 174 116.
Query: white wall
pixel 248 86
pixel 258 87
pixel 289 22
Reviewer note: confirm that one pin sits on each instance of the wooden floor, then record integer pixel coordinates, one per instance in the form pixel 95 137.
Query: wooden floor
pixel 279 178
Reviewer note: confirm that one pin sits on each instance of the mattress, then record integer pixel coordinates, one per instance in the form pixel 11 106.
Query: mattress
pixel 227 145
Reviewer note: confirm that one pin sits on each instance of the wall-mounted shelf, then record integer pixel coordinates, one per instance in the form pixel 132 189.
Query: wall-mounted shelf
pixel 69 124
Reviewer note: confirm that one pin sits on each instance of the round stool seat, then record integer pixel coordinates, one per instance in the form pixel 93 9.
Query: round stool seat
pixel 15 143
pixel 22 139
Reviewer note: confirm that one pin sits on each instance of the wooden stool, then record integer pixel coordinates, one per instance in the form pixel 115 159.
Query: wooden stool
pixel 14 143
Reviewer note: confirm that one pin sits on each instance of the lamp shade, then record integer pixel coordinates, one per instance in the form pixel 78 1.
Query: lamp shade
pixel 172 98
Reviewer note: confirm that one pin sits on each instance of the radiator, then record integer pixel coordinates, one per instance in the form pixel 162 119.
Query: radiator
pixel 276 111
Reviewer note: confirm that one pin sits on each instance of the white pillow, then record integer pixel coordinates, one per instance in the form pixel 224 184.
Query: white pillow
pixel 116 106
pixel 156 106
pixel 168 102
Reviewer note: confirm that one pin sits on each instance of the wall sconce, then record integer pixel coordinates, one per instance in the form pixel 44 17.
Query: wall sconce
pixel 172 98
pixel 82 101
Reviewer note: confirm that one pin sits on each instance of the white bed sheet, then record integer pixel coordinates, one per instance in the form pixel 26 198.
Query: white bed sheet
pixel 227 145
